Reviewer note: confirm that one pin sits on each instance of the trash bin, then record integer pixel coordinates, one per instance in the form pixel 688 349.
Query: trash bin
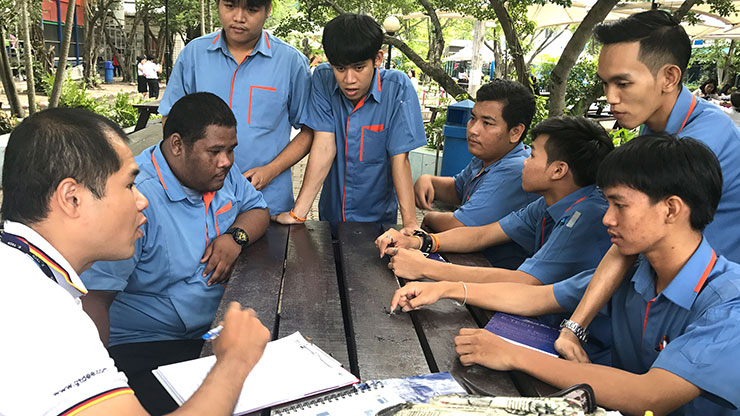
pixel 456 155
pixel 108 72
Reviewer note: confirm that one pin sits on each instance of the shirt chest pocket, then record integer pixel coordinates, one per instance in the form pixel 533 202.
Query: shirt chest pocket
pixel 224 217
pixel 266 107
pixel 372 144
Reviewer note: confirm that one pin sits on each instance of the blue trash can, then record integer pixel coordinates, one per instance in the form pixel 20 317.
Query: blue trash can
pixel 456 155
pixel 108 72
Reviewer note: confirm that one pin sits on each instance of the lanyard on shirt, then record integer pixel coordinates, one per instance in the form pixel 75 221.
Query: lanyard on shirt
pixel 544 219
pixel 49 267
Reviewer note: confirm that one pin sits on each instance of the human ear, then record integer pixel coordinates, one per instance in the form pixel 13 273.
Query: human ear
pixel 515 133
pixel 671 77
pixel 177 145
pixel 559 170
pixel 67 197
pixel 379 59
pixel 676 208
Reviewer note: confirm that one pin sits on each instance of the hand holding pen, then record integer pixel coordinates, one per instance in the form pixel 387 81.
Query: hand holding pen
pixel 240 337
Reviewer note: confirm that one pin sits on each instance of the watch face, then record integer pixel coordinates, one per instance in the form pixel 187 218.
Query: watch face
pixel 241 236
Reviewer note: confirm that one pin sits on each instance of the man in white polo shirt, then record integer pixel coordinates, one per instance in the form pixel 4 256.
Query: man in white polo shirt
pixel 70 200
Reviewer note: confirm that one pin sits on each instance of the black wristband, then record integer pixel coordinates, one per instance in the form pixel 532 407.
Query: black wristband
pixel 426 243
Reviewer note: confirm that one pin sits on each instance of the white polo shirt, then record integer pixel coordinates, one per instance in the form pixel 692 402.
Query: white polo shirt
pixel 51 358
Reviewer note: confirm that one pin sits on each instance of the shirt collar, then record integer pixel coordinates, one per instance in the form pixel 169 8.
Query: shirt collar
pixel 262 46
pixel 172 186
pixel 685 287
pixel 73 284
pixel 558 209
pixel 678 113
pixel 375 87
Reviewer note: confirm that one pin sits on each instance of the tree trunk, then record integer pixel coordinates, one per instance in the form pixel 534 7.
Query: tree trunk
pixel 43 54
pixel 62 66
pixel 27 52
pixel 684 9
pixel 202 17
pixel 559 75
pixel 434 71
pixel 437 42
pixel 7 78
pixel 209 18
pixel 476 74
pixel 512 40
pixel 723 74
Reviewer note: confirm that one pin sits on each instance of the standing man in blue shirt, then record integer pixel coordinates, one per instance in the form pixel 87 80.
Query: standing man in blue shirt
pixel 641 63
pixel 562 230
pixel 153 308
pixel 366 120
pixel 490 187
pixel 265 82
pixel 676 315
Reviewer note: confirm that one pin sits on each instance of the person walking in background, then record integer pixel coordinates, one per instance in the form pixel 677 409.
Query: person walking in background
pixel 151 72
pixel 140 76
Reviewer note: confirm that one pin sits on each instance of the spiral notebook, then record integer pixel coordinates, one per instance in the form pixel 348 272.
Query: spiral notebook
pixel 291 368
pixel 360 400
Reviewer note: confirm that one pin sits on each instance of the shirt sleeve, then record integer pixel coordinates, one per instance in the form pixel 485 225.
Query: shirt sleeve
pixel 568 292
pixel 496 197
pixel 300 92
pixel 179 84
pixel 248 198
pixel 320 115
pixel 577 243
pixel 706 353
pixel 406 130
pixel 521 225
pixel 461 181
pixel 112 275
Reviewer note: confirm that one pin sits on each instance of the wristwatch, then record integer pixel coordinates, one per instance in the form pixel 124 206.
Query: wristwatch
pixel 240 236
pixel 576 329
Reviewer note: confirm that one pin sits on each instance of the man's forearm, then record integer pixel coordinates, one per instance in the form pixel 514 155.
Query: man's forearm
pixel 516 298
pixel 254 222
pixel 444 189
pixel 455 272
pixel 605 281
pixel 470 239
pixel 441 221
pixel 293 152
pixel 323 151
pixel 401 171
pixel 219 391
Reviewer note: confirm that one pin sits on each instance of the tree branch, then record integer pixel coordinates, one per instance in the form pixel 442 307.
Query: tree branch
pixel 684 9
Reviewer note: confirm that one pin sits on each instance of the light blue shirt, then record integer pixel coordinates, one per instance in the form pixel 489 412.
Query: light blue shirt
pixel 488 194
pixel 691 328
pixel 268 93
pixel 385 123
pixel 565 238
pixel 711 126
pixel 162 294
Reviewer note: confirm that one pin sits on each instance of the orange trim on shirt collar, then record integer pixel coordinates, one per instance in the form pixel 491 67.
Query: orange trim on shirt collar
pixel 207 199
pixel 377 72
pixel 267 41
pixel 704 275
pixel 156 167
pixel 231 93
pixel 216 40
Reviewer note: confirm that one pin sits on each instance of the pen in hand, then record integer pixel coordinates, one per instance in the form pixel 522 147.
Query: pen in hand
pixel 213 333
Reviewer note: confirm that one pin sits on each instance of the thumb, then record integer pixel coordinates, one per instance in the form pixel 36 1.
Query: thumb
pixel 248 174
pixel 207 253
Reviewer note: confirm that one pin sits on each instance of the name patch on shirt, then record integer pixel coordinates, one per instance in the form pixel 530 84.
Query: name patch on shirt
pixel 572 221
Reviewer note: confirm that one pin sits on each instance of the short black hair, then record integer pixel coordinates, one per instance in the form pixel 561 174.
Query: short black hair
pixel 577 141
pixel 350 38
pixel 661 165
pixel 249 3
pixel 662 39
pixel 518 101
pixel 50 146
pixel 707 82
pixel 193 113
pixel 735 99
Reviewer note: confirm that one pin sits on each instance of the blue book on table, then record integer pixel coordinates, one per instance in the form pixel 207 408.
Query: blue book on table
pixel 526 332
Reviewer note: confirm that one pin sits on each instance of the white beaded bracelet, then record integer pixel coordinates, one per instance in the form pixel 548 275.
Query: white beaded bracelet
pixel 466 292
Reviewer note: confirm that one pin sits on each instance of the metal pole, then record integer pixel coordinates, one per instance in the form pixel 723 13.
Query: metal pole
pixel 388 63
pixel 59 24
pixel 77 40
pixel 167 51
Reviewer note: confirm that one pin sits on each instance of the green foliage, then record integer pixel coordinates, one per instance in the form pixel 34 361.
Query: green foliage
pixel 435 137
pixel 7 123
pixel 123 112
pixel 582 80
pixel 622 136
pixel 540 113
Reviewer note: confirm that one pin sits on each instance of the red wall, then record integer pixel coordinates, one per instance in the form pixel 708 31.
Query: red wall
pixel 49 13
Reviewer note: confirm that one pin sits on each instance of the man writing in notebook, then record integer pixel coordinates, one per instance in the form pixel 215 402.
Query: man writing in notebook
pixel 642 62
pixel 202 212
pixel 60 216
pixel 675 318
pixel 490 186
pixel 365 120
pixel 562 230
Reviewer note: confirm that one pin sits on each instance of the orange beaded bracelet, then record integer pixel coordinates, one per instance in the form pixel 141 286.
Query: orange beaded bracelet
pixel 297 218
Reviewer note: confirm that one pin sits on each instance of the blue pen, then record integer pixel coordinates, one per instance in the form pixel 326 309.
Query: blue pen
pixel 213 333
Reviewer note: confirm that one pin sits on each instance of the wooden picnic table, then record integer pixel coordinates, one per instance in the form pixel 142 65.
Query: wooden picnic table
pixel 145 110
pixel 337 294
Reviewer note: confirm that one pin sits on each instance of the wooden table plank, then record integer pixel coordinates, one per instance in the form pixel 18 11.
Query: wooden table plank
pixel 256 279
pixel 381 345
pixel 310 296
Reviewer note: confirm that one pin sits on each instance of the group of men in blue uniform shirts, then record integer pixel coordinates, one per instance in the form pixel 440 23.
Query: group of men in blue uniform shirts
pixel 666 338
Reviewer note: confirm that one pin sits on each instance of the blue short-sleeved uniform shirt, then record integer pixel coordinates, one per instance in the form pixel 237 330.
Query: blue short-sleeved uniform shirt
pixel 710 125
pixel 565 238
pixel 268 92
pixel 691 328
pixel 489 194
pixel 385 123
pixel 162 294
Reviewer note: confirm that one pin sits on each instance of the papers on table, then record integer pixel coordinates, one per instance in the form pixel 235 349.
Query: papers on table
pixel 290 369
pixel 526 332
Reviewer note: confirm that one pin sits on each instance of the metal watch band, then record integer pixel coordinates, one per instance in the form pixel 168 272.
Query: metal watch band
pixel 576 329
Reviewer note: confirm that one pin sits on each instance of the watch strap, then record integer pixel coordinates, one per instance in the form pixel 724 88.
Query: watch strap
pixel 576 329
